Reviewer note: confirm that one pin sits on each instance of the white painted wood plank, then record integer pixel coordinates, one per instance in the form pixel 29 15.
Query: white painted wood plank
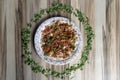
pixel 99 23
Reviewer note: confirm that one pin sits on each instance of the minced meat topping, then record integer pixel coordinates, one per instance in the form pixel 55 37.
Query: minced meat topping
pixel 59 40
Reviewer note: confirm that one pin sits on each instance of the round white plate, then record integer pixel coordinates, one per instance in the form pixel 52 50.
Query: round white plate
pixel 38 41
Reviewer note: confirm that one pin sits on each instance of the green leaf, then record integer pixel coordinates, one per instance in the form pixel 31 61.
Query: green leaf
pixel 50 42
pixel 42 11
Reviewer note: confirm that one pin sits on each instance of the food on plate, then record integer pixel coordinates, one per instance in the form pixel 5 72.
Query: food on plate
pixel 59 40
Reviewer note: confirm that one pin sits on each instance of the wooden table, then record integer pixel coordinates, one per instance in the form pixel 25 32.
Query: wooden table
pixel 104 59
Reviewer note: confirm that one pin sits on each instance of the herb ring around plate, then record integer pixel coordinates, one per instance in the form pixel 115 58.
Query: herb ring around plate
pixel 85 53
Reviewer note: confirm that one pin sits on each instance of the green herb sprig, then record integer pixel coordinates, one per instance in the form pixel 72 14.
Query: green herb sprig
pixel 85 53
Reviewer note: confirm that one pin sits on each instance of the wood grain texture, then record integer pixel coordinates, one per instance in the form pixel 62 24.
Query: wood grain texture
pixel 3 47
pixel 104 59
pixel 100 22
